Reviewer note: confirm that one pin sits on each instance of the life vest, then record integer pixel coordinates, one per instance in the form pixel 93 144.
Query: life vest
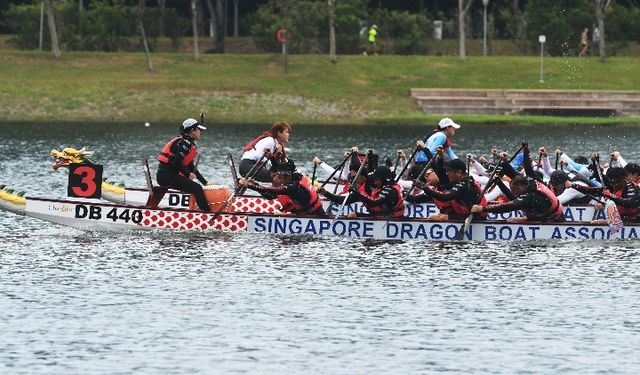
pixel 167 157
pixel 447 142
pixel 252 144
pixel 291 205
pixel 626 213
pixel 556 210
pixel 397 210
pixel 460 207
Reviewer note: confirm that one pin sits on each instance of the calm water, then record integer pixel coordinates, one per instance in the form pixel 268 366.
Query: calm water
pixel 84 303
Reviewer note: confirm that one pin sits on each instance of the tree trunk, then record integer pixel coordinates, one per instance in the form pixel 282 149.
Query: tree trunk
pixel 194 23
pixel 601 5
pixel 235 17
pixel 521 26
pixel 463 7
pixel 144 35
pixel 162 5
pixel 55 46
pixel 218 41
pixel 217 16
pixel 332 31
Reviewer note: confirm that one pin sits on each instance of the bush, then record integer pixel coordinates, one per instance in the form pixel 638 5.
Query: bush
pixel 102 27
pixel 410 31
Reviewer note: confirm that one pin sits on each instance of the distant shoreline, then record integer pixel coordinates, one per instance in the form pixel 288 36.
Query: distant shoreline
pixel 252 89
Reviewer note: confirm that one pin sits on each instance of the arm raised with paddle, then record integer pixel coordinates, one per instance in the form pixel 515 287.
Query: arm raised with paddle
pixel 495 174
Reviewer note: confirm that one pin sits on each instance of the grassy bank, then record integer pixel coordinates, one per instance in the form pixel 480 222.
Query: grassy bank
pixel 253 88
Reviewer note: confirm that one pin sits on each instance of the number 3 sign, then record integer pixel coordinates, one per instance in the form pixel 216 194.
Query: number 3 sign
pixel 85 181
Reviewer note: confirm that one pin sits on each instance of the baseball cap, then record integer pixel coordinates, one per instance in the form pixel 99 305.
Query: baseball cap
pixel 382 173
pixel 445 122
pixel 455 165
pixel 190 123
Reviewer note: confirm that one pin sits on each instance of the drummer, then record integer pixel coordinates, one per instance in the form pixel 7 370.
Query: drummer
pixel 176 168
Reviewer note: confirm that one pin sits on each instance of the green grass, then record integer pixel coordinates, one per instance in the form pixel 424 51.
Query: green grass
pixel 229 88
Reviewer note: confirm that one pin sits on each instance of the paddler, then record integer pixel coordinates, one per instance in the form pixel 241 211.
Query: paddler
pixel 293 190
pixel 272 141
pixel 176 168
pixel 464 193
pixel 623 193
pixel 386 198
pixel 536 201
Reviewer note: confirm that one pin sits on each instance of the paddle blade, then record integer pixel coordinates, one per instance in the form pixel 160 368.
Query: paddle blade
pixel 613 217
pixel 463 228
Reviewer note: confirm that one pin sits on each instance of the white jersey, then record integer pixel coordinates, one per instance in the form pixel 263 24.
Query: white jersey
pixel 257 151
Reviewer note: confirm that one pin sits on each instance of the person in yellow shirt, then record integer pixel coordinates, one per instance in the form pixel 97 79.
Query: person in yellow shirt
pixel 373 35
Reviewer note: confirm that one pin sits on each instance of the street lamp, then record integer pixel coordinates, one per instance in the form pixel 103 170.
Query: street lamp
pixel 484 39
pixel 542 39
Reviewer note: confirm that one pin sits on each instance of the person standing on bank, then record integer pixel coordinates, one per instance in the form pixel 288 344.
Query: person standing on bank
pixel 176 168
pixel 584 43
pixel 273 141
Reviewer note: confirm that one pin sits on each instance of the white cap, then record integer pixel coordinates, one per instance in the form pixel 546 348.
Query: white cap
pixel 447 122
pixel 191 122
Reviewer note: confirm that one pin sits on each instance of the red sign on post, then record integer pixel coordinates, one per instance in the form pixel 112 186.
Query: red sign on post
pixel 283 35
pixel 85 181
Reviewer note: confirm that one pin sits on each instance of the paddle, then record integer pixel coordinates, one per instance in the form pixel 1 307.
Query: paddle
pixel 339 167
pixel 313 176
pixel 352 183
pixel 335 187
pixel 460 235
pixel 413 154
pixel 395 167
pixel 239 190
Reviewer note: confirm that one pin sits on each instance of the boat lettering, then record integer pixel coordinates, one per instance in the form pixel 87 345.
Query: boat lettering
pixel 421 231
pixel 91 212
pixel 363 229
pixel 507 232
pixel 115 214
pixel 179 200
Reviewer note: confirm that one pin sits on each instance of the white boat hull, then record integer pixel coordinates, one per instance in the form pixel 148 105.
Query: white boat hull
pixel 99 216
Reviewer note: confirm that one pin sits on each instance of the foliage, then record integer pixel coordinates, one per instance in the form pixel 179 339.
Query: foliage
pixel 105 26
pixel 306 20
pixel 561 21
pixel 410 32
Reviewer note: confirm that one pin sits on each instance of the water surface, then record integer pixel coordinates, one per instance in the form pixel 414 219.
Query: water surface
pixel 88 303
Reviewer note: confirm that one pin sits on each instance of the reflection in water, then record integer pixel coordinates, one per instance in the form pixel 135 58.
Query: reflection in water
pixel 171 303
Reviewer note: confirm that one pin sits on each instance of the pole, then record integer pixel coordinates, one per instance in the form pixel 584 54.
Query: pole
pixel 284 53
pixel 41 25
pixel 541 63
pixel 484 39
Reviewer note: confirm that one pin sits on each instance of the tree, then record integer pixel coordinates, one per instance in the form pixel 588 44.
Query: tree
pixel 162 5
pixel 332 31
pixel 601 6
pixel 463 8
pixel 194 23
pixel 520 25
pixel 51 20
pixel 144 35
pixel 235 17
pixel 217 21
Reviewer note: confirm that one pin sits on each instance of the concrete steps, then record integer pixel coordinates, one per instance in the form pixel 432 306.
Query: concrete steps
pixel 551 102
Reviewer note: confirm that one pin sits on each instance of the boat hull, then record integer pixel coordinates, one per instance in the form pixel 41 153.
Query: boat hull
pixel 100 216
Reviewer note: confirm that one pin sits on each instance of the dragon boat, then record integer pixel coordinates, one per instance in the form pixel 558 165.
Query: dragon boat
pixel 119 194
pixel 252 214
pixel 97 215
